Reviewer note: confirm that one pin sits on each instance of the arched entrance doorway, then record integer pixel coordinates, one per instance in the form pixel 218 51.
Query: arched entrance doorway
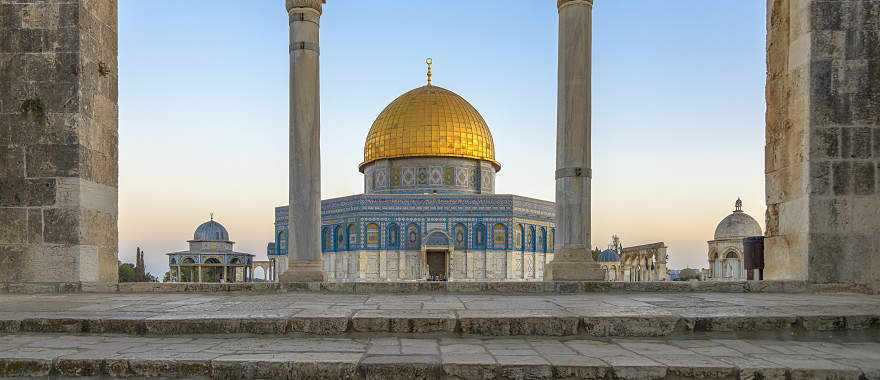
pixel 437 250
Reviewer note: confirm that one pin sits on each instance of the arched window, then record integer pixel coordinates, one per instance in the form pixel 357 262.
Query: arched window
pixel 542 240
pixel 340 238
pixel 519 236
pixel 372 235
pixel 326 239
pixel 393 239
pixel 530 239
pixel 351 234
pixel 413 237
pixel 499 236
pixel 460 236
pixel 282 242
pixel 480 236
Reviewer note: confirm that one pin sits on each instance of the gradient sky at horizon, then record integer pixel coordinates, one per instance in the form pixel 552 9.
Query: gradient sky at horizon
pixel 678 109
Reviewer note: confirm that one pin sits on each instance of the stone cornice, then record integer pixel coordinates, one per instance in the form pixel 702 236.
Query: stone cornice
pixel 308 4
pixel 562 3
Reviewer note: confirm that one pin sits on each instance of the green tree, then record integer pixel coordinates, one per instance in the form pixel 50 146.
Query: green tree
pixel 127 273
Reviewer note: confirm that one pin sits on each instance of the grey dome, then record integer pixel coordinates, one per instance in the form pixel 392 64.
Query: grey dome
pixel 211 231
pixel 608 255
pixel 737 225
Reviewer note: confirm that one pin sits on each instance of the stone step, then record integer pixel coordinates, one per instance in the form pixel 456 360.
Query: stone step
pixel 463 323
pixel 246 357
pixel 593 315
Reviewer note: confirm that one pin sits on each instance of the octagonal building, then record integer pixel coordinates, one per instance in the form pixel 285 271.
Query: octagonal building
pixel 429 209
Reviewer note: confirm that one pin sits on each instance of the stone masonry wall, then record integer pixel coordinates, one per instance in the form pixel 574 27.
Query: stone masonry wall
pixel 58 141
pixel 823 141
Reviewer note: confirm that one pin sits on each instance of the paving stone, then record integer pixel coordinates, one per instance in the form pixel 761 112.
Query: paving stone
pixel 469 366
pixel 756 368
pixel 578 367
pixel 404 321
pixel 524 367
pixel 635 367
pixel 403 367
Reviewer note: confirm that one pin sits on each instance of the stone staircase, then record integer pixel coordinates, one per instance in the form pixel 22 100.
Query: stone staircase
pixel 303 335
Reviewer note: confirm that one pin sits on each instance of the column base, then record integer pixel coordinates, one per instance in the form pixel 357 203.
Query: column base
pixel 573 265
pixel 303 272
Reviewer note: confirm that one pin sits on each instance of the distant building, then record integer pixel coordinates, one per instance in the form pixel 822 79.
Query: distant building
pixel 726 252
pixel 210 258
pixel 633 264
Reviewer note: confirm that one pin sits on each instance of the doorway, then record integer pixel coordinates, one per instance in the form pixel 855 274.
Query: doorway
pixel 437 265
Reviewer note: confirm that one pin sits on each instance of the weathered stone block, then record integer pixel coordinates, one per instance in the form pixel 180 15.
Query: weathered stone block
pixel 863 178
pixel 11 161
pixel 13 225
pixel 842 176
pixel 827 15
pixel 26 192
pixel 11 258
pixel 53 161
pixel 856 142
pixel 61 226
pixel 820 177
pixel 826 142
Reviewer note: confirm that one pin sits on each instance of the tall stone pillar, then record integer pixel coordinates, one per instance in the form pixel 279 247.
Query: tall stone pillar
pixel 573 261
pixel 822 157
pixel 58 143
pixel 304 234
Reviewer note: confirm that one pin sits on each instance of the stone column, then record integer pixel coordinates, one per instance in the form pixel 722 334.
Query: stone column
pixel 58 143
pixel 200 272
pixel 178 274
pixel 573 260
pixel 822 158
pixel 304 235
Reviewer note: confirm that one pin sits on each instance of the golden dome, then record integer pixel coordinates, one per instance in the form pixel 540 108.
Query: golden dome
pixel 429 121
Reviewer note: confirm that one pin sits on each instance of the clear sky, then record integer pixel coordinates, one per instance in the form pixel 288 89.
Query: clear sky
pixel 678 109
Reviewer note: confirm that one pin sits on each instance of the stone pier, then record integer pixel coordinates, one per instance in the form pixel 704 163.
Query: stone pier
pixel 58 142
pixel 305 151
pixel 823 141
pixel 573 260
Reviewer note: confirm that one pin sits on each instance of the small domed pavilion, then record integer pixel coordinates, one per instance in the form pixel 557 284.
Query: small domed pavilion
pixel 210 258
pixel 726 258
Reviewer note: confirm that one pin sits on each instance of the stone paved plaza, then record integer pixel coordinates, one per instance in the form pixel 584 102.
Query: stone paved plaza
pixel 234 357
pixel 596 314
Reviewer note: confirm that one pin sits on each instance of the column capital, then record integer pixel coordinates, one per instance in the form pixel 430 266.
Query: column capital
pixel 562 3
pixel 315 5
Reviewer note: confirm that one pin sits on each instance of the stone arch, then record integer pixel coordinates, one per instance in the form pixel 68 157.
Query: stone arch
pixel 260 273
pixel 437 238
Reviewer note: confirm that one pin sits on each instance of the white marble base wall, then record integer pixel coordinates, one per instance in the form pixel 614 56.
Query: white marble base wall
pixel 489 265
